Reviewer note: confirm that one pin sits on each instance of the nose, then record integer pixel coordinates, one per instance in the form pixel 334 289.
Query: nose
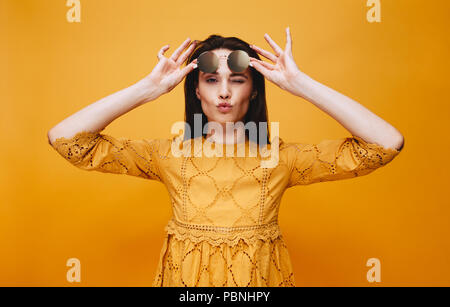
pixel 223 70
pixel 224 91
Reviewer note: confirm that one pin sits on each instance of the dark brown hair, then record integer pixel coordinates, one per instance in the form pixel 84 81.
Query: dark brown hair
pixel 257 110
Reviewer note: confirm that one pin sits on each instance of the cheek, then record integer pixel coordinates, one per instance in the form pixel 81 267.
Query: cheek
pixel 208 108
pixel 208 96
pixel 240 110
pixel 244 108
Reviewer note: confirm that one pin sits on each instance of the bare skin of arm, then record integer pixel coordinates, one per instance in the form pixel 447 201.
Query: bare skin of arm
pixel 95 117
pixel 352 115
pixel 356 118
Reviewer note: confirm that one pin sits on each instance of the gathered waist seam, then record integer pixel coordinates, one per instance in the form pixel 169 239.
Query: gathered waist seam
pixel 223 229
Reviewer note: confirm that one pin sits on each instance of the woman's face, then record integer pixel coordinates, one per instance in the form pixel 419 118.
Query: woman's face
pixel 224 86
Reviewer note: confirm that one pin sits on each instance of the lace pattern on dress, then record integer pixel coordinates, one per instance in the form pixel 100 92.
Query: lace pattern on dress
pixel 96 151
pixel 335 159
pixel 76 147
pixel 215 235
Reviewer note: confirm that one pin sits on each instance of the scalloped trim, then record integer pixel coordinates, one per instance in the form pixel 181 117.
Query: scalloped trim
pixel 79 135
pixel 376 146
pixel 215 238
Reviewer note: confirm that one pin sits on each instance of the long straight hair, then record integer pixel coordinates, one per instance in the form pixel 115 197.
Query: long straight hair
pixel 257 110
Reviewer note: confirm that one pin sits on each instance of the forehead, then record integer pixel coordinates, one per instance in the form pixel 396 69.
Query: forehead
pixel 223 68
pixel 222 53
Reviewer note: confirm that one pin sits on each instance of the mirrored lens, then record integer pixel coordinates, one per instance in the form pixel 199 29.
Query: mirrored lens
pixel 238 60
pixel 208 62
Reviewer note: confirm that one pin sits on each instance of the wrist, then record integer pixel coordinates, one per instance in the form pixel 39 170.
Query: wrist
pixel 301 83
pixel 146 90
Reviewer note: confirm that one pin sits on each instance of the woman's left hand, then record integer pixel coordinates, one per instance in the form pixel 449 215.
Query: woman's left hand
pixel 284 72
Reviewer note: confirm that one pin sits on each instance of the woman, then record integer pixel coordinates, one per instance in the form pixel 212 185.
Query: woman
pixel 224 229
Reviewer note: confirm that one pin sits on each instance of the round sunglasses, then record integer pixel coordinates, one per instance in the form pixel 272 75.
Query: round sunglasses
pixel 237 61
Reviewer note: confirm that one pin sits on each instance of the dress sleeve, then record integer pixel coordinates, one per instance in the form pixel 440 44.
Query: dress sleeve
pixel 107 154
pixel 337 159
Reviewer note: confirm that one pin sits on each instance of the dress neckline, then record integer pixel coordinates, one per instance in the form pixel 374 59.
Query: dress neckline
pixel 204 139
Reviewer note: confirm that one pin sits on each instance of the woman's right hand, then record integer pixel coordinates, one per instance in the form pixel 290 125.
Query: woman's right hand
pixel 167 73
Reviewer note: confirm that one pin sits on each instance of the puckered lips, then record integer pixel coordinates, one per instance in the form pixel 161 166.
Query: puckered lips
pixel 224 107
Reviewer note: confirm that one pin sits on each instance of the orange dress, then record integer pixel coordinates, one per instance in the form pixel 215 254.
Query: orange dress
pixel 224 228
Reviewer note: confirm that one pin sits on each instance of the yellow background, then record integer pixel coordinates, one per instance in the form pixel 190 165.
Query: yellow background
pixel 51 211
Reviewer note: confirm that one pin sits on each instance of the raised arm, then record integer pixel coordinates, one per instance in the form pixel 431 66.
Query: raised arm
pixel 353 116
pixel 78 138
pixel 356 118
pixel 96 116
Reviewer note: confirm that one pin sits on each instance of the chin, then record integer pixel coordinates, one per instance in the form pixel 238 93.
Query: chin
pixel 227 118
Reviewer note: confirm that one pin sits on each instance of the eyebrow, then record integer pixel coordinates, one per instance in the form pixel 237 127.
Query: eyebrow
pixel 232 75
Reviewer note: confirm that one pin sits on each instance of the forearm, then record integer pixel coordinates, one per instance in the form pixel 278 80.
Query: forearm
pixel 96 116
pixel 353 116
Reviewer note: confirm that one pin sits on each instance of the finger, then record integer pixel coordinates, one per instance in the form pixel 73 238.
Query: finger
pixel 186 53
pixel 288 40
pixel 265 64
pixel 190 67
pixel 261 68
pixel 265 53
pixel 274 46
pixel 161 51
pixel 177 52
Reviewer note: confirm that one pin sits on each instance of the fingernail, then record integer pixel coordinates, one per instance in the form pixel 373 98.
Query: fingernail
pixel 195 66
pixel 250 64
